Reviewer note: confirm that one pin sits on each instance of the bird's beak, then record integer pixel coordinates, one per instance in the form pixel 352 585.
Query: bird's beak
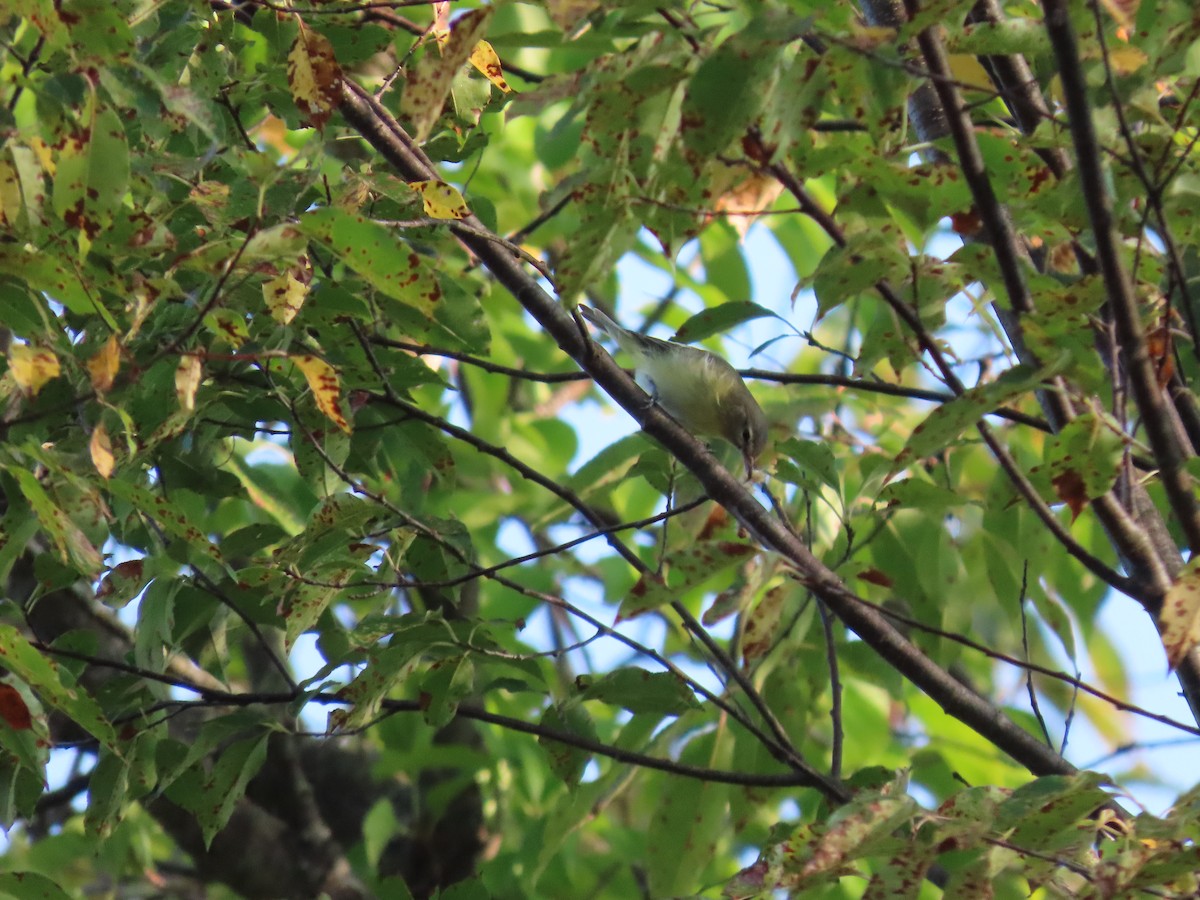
pixel 749 461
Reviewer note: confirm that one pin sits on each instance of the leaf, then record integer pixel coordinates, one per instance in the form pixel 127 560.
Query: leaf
pixel 441 200
pixel 213 797
pixel 13 709
pixel 728 90
pixel 122 583
pixel 107 794
pixel 104 364
pixel 323 381
pixel 1179 620
pixel 73 546
pixel 101 452
pixel 761 633
pixel 447 682
pixel 314 76
pixel 428 80
pixel 187 381
pixel 32 367
pixel 373 252
pixel 689 568
pixel 947 422
pixel 682 836
pixel 285 294
pixel 567 761
pixel 31 886
pixel 43 677
pixel 719 319
pixel 639 691
pixel 93 173
pixel 484 58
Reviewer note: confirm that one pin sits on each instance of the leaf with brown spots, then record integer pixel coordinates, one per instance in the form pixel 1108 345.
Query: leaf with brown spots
pixel 286 292
pixel 428 80
pixel 314 76
pixel 386 263
pixel 483 57
pixel 323 380
pixel 32 367
pixel 441 200
pixel 92 174
pixel 1179 621
pixel 689 569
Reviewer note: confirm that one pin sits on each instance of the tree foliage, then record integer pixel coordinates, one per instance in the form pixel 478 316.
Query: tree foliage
pixel 324 576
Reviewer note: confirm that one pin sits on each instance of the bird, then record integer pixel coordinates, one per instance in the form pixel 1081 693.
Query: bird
pixel 702 391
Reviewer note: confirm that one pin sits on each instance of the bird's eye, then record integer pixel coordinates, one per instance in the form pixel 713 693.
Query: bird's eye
pixel 746 436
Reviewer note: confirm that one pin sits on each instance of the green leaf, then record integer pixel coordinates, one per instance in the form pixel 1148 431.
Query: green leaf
pixel 947 422
pixel 31 886
pixel 92 175
pixel 382 260
pixel 447 682
pixel 567 761
pixel 42 675
pixel 689 568
pixel 213 797
pixel 639 691
pixel 718 319
pixel 73 546
pixel 683 834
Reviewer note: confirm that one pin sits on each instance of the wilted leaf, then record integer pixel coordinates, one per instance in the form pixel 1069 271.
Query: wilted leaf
pixel 1179 620
pixel 484 58
pixel 314 76
pixel 441 200
pixel 100 449
pixel 285 293
pixel 187 381
pixel 428 80
pixel 32 367
pixel 323 381
pixel 13 709
pixel 104 364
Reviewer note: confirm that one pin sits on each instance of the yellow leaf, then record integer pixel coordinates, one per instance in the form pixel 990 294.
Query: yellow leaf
pixel 1126 60
pixel 326 387
pixel 187 380
pixel 100 447
pixel 441 200
pixel 314 76
pixel 969 72
pixel 10 194
pixel 484 58
pixel 104 365
pixel 1179 620
pixel 32 367
pixel 42 151
pixel 285 293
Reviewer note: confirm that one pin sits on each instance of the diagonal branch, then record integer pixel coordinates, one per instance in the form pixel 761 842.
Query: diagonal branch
pixel 378 128
pixel 1122 302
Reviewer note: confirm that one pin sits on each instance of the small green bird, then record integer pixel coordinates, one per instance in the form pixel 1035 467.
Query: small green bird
pixel 702 391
